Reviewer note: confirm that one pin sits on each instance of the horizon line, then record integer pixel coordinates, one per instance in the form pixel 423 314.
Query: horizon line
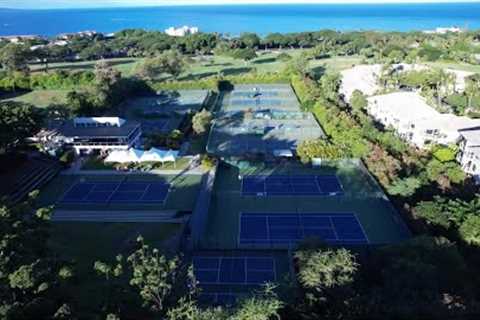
pixel 164 3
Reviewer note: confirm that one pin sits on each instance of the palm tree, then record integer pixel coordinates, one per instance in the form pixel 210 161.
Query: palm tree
pixel 472 87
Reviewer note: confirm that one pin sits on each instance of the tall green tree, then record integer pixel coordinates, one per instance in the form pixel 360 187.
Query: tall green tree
pixel 470 229
pixel 325 269
pixel 14 58
pixel 330 85
pixel 319 148
pixel 18 121
pixel 472 88
pixel 249 40
pixel 358 101
pixel 29 271
pixel 169 62
pixel 201 121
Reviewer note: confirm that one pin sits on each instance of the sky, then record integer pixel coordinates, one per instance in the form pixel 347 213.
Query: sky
pixel 50 4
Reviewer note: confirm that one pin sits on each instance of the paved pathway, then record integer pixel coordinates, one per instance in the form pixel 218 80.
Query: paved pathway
pixel 117 216
pixel 198 222
pixel 194 171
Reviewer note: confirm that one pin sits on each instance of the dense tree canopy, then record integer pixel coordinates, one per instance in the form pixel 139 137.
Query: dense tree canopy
pixel 201 121
pixel 17 122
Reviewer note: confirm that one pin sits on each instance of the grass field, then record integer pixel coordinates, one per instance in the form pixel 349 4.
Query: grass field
pixel 42 98
pixel 212 65
pixel 457 66
pixel 264 63
pixel 124 65
pixel 362 196
pixel 81 244
pixel 182 195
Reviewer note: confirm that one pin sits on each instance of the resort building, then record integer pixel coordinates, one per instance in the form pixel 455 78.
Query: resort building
pixel 444 30
pixel 182 31
pixel 85 135
pixel 415 121
pixel 469 152
pixel 365 78
pixel 19 39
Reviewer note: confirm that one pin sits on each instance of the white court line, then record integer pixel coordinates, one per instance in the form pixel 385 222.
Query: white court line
pixel 361 227
pixel 244 258
pixel 114 191
pixel 145 192
pixel 333 228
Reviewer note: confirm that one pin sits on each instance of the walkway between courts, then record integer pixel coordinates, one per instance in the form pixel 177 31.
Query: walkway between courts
pixel 194 171
pixel 117 216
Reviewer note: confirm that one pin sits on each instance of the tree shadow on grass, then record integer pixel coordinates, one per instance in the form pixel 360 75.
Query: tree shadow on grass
pixel 226 64
pixel 197 76
pixel 86 66
pixel 13 95
pixel 265 60
pixel 236 71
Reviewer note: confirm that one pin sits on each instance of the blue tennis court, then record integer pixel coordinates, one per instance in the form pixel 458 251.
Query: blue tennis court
pixel 117 192
pixel 234 270
pixel 289 228
pixel 291 185
pixel 264 102
pixel 254 94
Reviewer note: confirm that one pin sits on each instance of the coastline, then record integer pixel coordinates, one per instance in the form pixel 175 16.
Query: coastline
pixel 235 19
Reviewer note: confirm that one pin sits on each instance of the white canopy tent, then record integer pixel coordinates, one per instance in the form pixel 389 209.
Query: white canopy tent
pixel 136 155
pixel 283 153
pixel 124 156
pixel 157 155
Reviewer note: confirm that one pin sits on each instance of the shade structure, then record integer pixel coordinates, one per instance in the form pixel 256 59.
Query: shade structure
pixel 136 155
pixel 283 153
pixel 152 155
pixel 158 155
pixel 125 156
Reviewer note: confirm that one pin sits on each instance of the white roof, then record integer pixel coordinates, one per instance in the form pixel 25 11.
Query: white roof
pixel 283 153
pixel 158 155
pixel 361 77
pixel 124 156
pixel 412 108
pixel 136 155
pixel 460 77
pixel 114 121
pixel 472 135
pixel 405 105
pixel 365 77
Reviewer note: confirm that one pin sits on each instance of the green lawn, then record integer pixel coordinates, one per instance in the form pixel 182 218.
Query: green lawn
pixel 81 244
pixel 264 63
pixel 125 65
pixel 42 98
pixel 457 66
pixel 212 65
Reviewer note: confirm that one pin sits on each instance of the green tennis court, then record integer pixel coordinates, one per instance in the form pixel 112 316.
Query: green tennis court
pixel 362 198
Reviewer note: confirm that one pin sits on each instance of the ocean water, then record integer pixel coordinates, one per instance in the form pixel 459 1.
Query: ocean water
pixel 234 19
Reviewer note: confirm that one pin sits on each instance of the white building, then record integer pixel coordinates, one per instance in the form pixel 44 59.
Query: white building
pixel 19 39
pixel 182 31
pixel 444 30
pixel 365 78
pixel 460 78
pixel 469 152
pixel 415 121
pixel 361 77
pixel 85 135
